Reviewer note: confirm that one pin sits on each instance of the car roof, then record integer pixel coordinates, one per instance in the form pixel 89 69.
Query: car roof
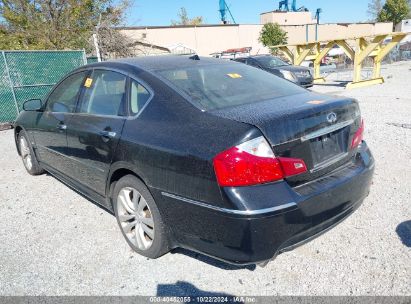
pixel 153 63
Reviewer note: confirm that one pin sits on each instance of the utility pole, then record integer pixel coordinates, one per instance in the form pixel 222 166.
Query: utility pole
pixel 95 40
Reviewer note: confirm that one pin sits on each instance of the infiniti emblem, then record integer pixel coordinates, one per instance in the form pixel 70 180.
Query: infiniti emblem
pixel 332 117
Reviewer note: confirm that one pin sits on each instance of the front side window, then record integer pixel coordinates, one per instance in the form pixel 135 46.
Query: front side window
pixel 105 94
pixel 64 98
pixel 138 97
pixel 253 63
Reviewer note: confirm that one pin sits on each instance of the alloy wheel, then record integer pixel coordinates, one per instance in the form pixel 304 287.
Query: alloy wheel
pixel 25 153
pixel 135 217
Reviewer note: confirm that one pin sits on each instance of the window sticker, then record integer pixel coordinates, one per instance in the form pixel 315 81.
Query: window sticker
pixel 234 75
pixel 88 82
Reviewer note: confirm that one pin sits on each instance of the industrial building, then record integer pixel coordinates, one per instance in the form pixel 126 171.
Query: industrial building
pixel 299 23
pixel 287 18
pixel 208 39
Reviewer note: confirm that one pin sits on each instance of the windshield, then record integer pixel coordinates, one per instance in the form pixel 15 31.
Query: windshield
pixel 270 62
pixel 219 86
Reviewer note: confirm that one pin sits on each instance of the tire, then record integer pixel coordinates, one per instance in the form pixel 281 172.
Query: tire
pixel 27 155
pixel 143 230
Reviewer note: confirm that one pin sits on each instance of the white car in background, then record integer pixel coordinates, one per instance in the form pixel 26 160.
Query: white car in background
pixel 325 68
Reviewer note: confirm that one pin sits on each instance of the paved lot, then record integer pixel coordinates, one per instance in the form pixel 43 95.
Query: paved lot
pixel 55 242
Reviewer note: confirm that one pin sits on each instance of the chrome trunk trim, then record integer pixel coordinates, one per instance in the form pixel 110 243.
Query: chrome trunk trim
pixel 327 130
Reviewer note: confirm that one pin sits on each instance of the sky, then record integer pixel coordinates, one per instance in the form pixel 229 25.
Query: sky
pixel 161 12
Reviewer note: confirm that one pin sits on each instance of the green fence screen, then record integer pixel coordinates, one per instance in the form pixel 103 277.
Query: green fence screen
pixel 31 74
pixel 92 59
pixel 8 110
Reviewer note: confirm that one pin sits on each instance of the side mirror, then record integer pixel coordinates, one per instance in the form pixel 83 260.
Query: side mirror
pixel 32 105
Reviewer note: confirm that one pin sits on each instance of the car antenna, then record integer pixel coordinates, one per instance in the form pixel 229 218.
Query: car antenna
pixel 194 57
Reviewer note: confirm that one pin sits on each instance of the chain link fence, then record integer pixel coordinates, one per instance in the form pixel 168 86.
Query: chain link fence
pixel 8 109
pixel 92 59
pixel 31 74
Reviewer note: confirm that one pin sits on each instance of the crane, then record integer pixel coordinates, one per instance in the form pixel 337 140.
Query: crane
pixel 284 5
pixel 294 6
pixel 223 12
pixel 317 15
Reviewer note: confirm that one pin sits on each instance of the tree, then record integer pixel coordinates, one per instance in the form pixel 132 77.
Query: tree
pixel 374 8
pixel 7 42
pixel 394 11
pixel 183 19
pixel 112 42
pixel 56 24
pixel 272 34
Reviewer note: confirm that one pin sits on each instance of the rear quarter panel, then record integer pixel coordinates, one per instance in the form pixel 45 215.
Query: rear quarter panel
pixel 171 144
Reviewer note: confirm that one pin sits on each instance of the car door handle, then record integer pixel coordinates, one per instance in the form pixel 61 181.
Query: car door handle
pixel 62 127
pixel 108 134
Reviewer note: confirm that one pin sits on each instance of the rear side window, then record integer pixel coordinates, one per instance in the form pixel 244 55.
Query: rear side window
pixel 219 86
pixel 64 98
pixel 105 94
pixel 139 96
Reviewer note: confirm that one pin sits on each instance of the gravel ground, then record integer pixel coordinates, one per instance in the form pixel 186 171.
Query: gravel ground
pixel 55 242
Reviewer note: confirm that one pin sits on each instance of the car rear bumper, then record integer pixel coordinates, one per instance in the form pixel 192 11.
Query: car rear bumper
pixel 283 217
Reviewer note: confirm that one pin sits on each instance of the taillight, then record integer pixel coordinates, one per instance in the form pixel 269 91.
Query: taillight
pixel 358 136
pixel 252 163
pixel 292 166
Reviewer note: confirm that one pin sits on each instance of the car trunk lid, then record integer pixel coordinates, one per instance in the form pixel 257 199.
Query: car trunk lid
pixel 313 127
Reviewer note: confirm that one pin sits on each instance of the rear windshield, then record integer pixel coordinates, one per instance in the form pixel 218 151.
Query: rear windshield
pixel 219 86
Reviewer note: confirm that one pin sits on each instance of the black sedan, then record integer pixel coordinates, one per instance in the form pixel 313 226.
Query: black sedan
pixel 274 65
pixel 217 157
